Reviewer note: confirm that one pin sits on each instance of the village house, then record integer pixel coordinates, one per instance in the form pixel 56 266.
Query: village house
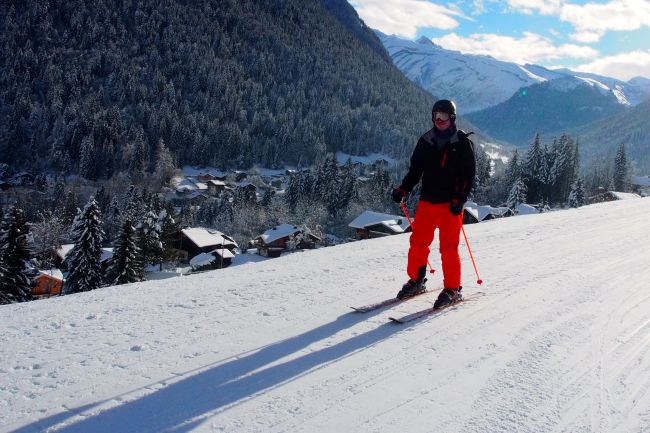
pixel 216 187
pixel 276 240
pixel 47 283
pixel 611 196
pixel 215 259
pixel 374 224
pixel 197 240
pixel 61 253
pixel 475 214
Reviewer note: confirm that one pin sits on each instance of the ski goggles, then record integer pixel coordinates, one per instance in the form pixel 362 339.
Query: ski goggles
pixel 440 115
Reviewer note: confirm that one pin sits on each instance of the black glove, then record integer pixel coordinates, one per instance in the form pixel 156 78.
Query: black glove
pixel 456 207
pixel 398 194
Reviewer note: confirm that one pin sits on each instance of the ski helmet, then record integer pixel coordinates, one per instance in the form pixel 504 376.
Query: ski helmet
pixel 444 106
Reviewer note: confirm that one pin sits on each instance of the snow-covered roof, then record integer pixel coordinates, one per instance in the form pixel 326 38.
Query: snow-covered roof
pixel 201 186
pixel 525 209
pixel 202 259
pixel 203 237
pixel 53 273
pixel 62 252
pixel 217 182
pixel 625 195
pixel 482 212
pixel 195 171
pixel 205 259
pixel 395 223
pixel 278 232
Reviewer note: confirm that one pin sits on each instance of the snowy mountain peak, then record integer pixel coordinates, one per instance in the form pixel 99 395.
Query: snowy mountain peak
pixel 426 41
pixel 477 82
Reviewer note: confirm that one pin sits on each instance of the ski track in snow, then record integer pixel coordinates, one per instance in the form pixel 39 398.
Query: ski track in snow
pixel 560 343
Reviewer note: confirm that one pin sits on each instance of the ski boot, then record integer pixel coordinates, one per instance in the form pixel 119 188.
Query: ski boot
pixel 448 297
pixel 414 287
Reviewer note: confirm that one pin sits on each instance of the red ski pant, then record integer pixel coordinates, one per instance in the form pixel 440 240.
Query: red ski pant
pixel 428 217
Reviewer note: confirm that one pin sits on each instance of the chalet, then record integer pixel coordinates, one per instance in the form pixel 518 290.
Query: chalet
pixel 205 177
pixel 197 240
pixel 476 214
pixel 61 253
pixel 611 196
pixel 215 259
pixel 47 283
pixel 272 242
pixel 216 187
pixel 246 186
pixel 373 224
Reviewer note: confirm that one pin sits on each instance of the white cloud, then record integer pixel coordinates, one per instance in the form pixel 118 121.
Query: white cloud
pixel 590 20
pixel 593 20
pixel 529 7
pixel 405 17
pixel 531 48
pixel 622 66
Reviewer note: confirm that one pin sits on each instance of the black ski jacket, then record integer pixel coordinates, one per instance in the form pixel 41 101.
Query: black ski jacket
pixel 446 166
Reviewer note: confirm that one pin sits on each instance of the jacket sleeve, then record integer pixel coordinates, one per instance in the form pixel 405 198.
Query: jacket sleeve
pixel 467 173
pixel 415 169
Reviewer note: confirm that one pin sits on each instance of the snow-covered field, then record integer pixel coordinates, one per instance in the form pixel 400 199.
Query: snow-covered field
pixel 560 343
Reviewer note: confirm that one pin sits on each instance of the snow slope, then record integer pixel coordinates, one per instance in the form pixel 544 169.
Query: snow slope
pixel 560 343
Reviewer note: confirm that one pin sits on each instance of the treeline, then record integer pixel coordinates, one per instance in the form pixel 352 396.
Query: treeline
pixel 551 176
pixel 99 88
pixel 141 229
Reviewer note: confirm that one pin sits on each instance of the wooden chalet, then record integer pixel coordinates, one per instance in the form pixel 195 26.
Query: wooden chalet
pixel 47 283
pixel 215 259
pixel 197 240
pixel 61 253
pixel 274 241
pixel 374 224
pixel 611 196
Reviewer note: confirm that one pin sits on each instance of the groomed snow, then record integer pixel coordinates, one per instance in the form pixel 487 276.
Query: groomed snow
pixel 560 343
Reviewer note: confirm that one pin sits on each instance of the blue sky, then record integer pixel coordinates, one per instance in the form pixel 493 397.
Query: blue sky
pixel 608 37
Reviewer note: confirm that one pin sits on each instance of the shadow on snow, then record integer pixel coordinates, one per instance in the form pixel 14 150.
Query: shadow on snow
pixel 183 405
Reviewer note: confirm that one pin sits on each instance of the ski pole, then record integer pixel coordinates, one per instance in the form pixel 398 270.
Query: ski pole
pixel 408 217
pixel 471 256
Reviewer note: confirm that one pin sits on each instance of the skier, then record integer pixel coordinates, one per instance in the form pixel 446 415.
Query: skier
pixel 444 160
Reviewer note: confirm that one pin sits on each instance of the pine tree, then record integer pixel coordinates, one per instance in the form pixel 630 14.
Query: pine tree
pixel 577 195
pixel 517 194
pixel 621 170
pixel 126 264
pixel 15 285
pixel 151 248
pixel 535 171
pixel 561 173
pixel 83 261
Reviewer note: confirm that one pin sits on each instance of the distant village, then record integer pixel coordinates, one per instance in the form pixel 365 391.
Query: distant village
pixel 201 249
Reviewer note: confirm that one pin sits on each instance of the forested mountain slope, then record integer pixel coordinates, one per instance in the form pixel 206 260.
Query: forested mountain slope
pixel 95 87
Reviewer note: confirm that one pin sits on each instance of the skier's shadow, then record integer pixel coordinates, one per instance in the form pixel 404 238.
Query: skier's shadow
pixel 186 403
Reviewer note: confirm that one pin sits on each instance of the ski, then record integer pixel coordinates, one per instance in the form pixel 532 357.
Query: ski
pixel 430 311
pixel 385 303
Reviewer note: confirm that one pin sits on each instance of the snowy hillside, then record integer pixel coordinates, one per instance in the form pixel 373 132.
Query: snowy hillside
pixel 559 343
pixel 479 82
